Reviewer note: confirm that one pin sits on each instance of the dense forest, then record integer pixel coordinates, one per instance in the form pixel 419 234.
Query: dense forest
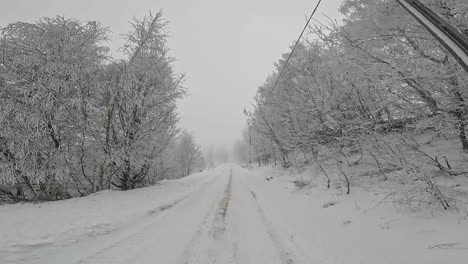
pixel 74 120
pixel 376 90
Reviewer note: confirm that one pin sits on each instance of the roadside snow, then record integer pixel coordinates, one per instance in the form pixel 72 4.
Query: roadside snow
pixel 327 226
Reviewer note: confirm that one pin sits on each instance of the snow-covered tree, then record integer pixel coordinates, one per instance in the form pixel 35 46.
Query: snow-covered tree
pixel 188 154
pixel 74 121
pixel 344 92
pixel 49 73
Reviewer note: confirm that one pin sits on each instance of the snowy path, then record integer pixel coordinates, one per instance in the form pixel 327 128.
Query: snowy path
pixel 226 215
pixel 220 222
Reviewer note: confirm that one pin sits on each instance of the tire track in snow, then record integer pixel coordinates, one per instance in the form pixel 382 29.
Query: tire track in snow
pixel 155 214
pixel 152 213
pixel 287 253
pixel 25 253
pixel 196 236
pixel 219 225
pixel 213 228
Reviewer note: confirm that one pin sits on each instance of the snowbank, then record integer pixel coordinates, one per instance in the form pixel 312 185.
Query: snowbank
pixel 328 226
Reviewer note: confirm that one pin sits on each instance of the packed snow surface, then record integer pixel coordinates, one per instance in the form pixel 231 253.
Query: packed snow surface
pixel 230 215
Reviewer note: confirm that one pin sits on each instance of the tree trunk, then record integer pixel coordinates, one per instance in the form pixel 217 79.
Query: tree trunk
pixel 459 113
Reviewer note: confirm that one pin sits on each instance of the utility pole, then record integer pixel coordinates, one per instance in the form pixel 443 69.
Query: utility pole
pixel 450 37
pixel 250 147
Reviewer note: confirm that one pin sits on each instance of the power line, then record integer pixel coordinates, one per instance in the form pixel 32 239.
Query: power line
pixel 449 36
pixel 290 54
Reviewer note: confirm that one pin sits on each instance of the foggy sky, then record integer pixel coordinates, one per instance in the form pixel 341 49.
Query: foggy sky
pixel 226 48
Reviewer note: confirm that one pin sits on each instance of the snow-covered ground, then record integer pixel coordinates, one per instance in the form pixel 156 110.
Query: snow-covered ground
pixel 231 215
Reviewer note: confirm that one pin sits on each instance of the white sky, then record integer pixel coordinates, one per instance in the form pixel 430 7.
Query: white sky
pixel 226 48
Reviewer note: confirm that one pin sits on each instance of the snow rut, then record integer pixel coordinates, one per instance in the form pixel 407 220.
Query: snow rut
pixel 286 250
pixel 29 252
pixel 169 205
pixel 209 243
pixel 154 214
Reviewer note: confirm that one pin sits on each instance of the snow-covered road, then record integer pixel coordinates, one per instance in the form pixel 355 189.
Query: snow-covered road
pixel 225 215
pixel 218 222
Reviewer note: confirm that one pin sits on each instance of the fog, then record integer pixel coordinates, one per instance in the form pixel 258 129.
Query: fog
pixel 357 155
pixel 226 48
